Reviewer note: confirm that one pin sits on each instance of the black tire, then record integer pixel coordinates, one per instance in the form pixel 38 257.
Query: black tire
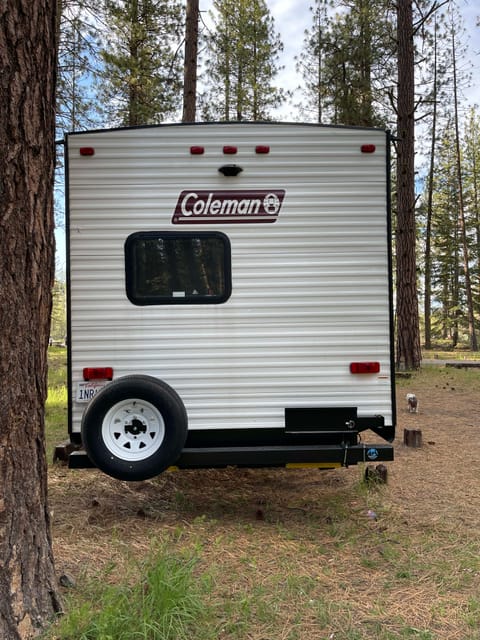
pixel 135 428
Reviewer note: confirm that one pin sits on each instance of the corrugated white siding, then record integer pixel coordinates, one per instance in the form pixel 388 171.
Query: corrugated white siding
pixel 309 291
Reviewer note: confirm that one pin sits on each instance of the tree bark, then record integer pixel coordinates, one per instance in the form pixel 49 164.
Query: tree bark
pixel 408 354
pixel 429 214
pixel 28 588
pixel 190 68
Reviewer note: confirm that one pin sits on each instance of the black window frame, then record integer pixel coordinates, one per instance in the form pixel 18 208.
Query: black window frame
pixel 197 299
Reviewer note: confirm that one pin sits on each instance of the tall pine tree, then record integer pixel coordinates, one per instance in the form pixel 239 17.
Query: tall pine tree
pixel 140 82
pixel 345 62
pixel 28 585
pixel 311 66
pixel 471 166
pixel 242 63
pixel 446 283
pixel 76 54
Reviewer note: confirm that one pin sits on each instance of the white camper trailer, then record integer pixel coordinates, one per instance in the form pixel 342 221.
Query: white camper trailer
pixel 229 297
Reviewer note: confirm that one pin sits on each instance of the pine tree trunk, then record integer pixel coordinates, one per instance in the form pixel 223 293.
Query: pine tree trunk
pixel 28 590
pixel 133 116
pixel 408 330
pixel 428 226
pixel 190 67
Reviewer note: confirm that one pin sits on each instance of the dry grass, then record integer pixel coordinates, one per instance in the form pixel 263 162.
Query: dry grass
pixel 292 554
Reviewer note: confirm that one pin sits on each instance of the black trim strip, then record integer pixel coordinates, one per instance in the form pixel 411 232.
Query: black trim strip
pixel 281 456
pixel 74 437
pixel 391 429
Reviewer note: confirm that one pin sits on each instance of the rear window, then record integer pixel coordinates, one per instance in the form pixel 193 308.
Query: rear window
pixel 164 267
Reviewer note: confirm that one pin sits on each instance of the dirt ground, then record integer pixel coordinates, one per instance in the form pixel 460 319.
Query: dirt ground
pixel 303 553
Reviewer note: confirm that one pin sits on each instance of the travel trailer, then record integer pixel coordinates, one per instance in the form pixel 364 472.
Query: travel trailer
pixel 229 297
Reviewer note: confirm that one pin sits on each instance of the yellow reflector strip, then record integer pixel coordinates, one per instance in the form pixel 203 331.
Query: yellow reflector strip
pixel 313 465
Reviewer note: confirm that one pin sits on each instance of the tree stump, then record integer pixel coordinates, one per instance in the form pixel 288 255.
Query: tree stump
pixel 377 475
pixel 412 438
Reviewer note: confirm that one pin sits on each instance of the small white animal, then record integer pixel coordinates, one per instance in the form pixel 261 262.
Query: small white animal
pixel 412 403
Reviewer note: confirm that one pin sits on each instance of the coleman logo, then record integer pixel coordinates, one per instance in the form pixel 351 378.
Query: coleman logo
pixel 209 207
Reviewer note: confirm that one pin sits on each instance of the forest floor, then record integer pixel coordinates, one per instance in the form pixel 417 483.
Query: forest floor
pixel 307 554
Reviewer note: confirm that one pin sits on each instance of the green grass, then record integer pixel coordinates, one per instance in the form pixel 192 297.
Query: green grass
pixel 472 613
pixel 56 405
pixel 440 377
pixel 450 354
pixel 159 598
pixel 57 366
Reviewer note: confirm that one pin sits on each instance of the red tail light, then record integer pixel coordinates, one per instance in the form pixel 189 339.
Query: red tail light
pixel 368 148
pixel 98 373
pixel 364 367
pixel 87 151
pixel 229 150
pixel 197 150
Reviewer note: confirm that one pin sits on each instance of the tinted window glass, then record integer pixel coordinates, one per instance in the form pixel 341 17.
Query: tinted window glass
pixel 178 268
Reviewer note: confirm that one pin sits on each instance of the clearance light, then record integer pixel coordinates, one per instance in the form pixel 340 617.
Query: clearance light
pixel 262 148
pixel 368 148
pixel 197 151
pixel 97 373
pixel 229 150
pixel 364 367
pixel 87 151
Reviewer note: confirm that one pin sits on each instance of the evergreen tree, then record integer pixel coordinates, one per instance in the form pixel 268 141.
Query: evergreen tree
pixel 242 62
pixel 435 103
pixel 451 235
pixel 446 280
pixel 311 66
pixel 361 46
pixel 346 62
pixel 410 24
pixel 437 89
pixel 76 59
pixel 75 62
pixel 29 594
pixel 140 82
pixel 471 168
pixel 462 217
pixel 191 61
pixel 408 355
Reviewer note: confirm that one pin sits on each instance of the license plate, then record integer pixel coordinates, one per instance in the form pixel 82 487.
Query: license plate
pixel 88 390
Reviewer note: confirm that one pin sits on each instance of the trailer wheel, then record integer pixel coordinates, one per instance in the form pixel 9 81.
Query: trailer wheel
pixel 134 428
